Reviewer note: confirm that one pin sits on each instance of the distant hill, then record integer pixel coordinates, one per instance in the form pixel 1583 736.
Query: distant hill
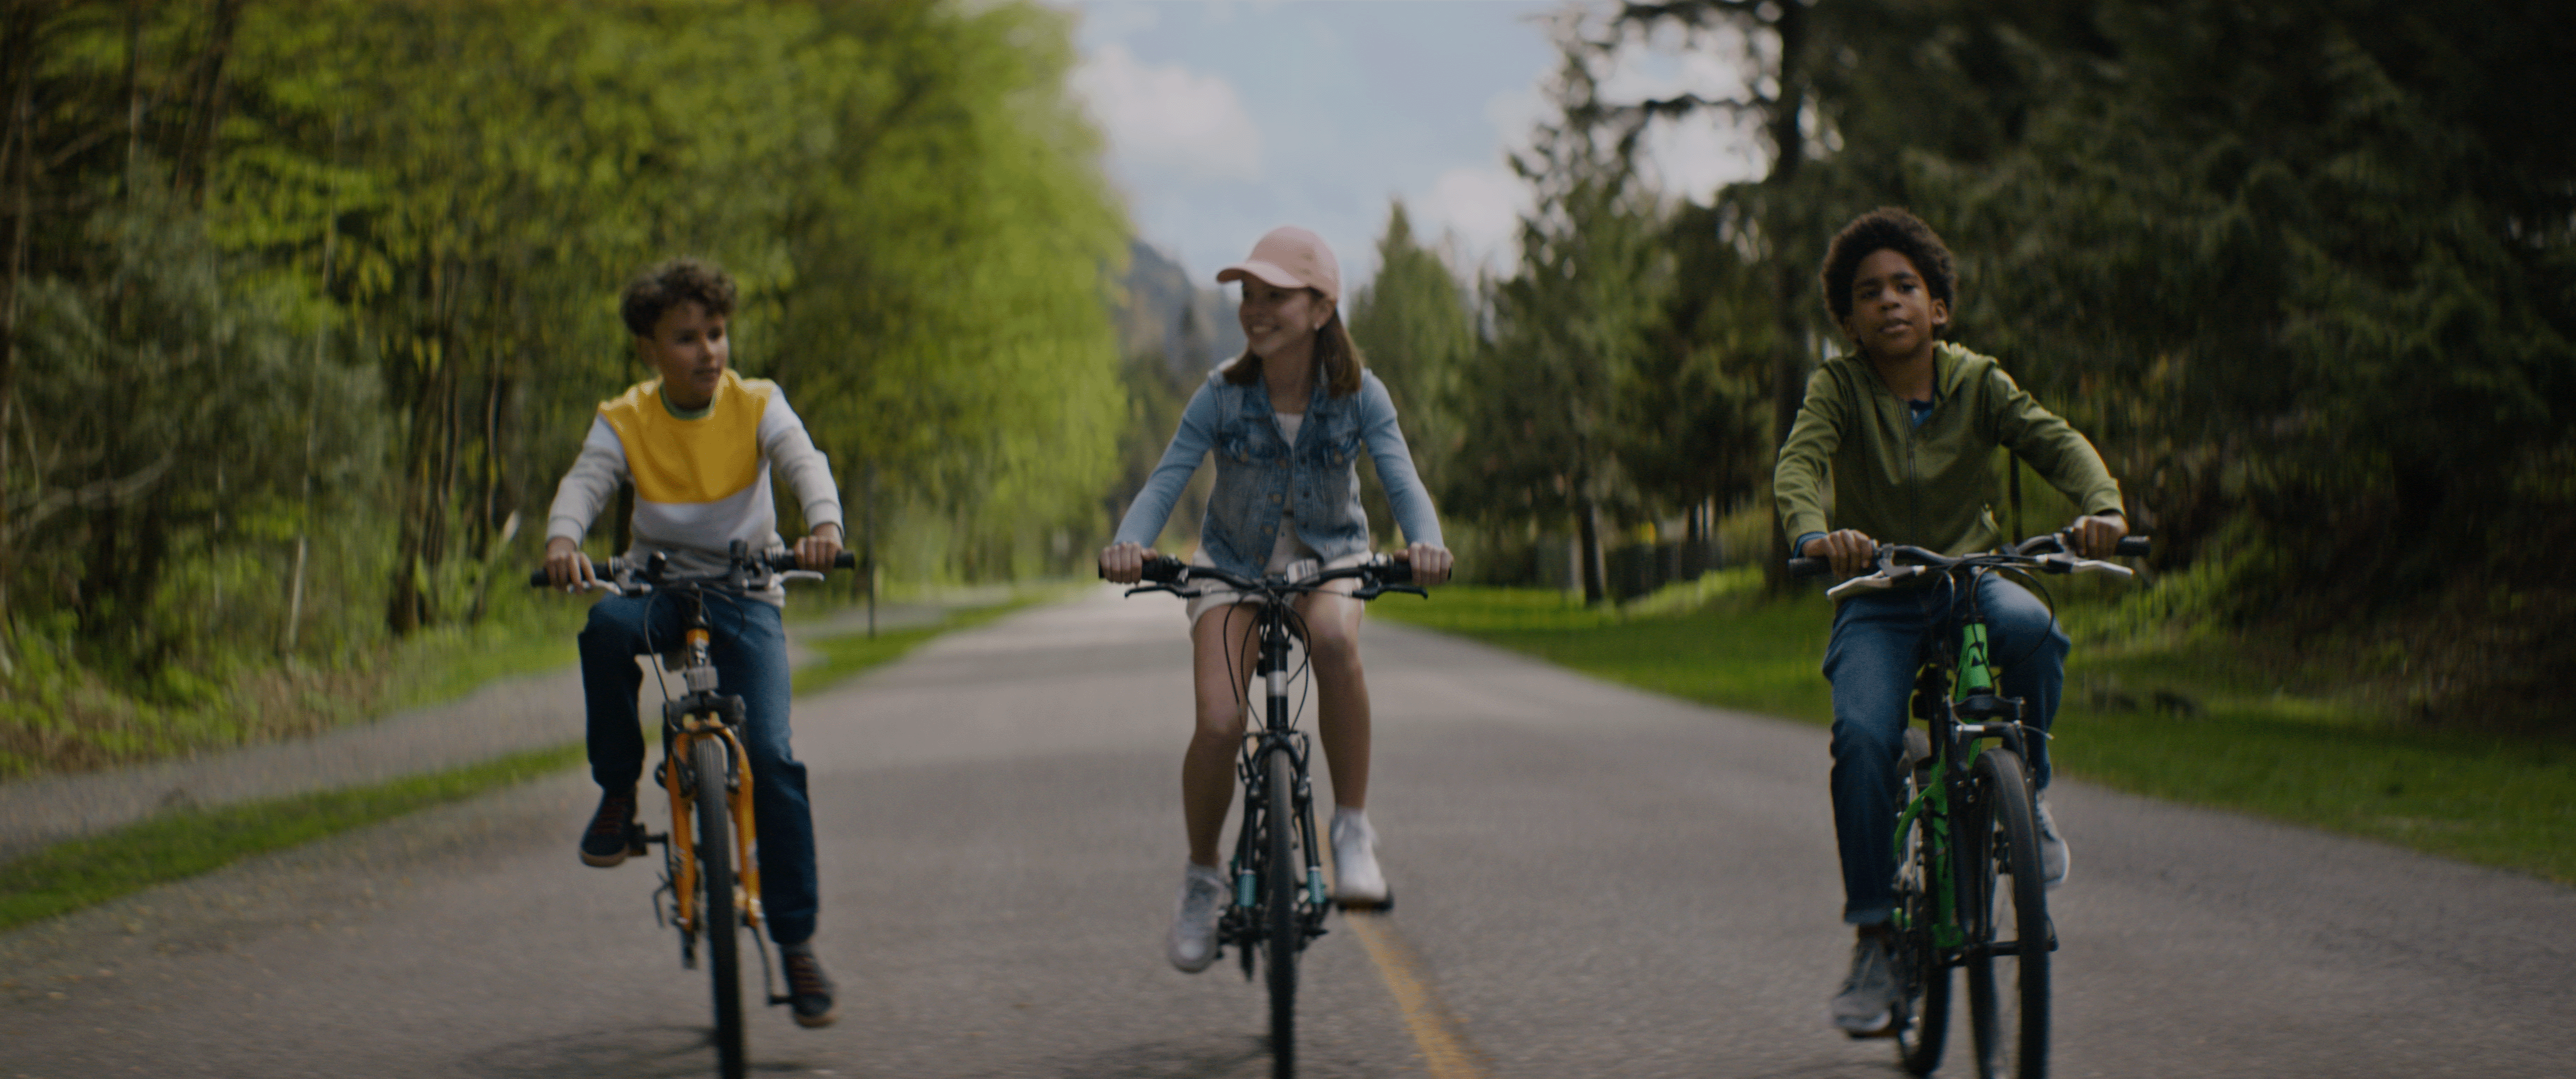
pixel 1169 315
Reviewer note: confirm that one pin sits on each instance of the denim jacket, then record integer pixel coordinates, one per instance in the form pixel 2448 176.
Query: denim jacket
pixel 1258 474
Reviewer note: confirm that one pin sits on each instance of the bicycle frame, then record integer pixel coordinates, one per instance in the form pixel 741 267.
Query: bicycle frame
pixel 1945 703
pixel 702 713
pixel 1277 734
pixel 696 715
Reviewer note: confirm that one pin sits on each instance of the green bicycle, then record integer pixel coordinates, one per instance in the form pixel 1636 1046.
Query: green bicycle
pixel 1969 891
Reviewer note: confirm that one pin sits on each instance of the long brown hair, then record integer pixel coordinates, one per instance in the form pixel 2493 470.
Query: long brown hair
pixel 1337 358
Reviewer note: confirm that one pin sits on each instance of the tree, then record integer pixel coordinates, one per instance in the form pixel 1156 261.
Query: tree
pixel 1545 392
pixel 1413 324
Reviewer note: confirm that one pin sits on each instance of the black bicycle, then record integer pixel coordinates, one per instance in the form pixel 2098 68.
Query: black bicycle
pixel 1969 894
pixel 710 888
pixel 1279 896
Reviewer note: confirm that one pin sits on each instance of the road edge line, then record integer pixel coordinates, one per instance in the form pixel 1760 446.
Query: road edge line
pixel 1435 1030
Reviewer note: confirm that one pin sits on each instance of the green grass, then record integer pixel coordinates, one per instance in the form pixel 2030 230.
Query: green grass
pixel 2229 733
pixel 173 846
pixel 68 876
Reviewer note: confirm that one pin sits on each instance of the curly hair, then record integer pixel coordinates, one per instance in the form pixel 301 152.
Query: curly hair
pixel 1887 228
pixel 669 283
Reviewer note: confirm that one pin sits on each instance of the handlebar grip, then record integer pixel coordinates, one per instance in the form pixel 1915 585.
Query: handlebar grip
pixel 2137 546
pixel 1159 569
pixel 598 569
pixel 1392 571
pixel 784 561
pixel 1809 567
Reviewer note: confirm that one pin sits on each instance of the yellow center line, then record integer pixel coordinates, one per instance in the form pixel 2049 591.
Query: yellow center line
pixel 1444 1050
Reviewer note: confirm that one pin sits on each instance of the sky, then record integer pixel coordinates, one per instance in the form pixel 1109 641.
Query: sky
pixel 1226 118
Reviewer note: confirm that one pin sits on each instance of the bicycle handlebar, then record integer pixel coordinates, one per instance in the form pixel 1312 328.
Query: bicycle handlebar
pixel 2047 552
pixel 2128 547
pixel 772 562
pixel 1164 573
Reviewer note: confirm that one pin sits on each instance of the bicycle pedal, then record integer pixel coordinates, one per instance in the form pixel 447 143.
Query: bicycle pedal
pixel 1888 1031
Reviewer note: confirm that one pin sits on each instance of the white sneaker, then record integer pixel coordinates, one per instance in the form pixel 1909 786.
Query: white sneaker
pixel 1203 896
pixel 1866 1007
pixel 2052 849
pixel 1356 879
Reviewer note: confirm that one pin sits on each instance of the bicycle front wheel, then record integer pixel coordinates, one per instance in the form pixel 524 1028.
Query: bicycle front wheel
pixel 1282 929
pixel 716 909
pixel 2009 936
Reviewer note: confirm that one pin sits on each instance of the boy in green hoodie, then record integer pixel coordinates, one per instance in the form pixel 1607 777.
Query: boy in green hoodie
pixel 1905 427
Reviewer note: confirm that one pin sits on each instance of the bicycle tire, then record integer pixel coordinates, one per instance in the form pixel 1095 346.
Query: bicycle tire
pixel 716 912
pixel 2008 994
pixel 1923 1020
pixel 1283 931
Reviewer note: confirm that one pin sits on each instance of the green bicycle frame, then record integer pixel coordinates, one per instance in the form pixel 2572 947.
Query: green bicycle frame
pixel 1932 803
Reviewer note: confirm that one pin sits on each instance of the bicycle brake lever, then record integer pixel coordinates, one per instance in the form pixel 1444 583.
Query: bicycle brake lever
pixel 1871 583
pixel 2095 565
pixel 800 575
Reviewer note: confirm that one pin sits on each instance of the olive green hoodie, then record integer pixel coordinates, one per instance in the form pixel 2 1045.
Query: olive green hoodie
pixel 1932 486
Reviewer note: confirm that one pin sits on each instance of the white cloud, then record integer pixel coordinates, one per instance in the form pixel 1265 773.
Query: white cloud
pixel 1168 119
pixel 1481 206
pixel 1691 155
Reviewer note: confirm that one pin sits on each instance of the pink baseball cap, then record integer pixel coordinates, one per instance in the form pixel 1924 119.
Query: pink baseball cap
pixel 1291 257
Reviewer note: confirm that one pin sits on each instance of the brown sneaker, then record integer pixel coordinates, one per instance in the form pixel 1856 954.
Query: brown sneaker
pixel 614 833
pixel 809 993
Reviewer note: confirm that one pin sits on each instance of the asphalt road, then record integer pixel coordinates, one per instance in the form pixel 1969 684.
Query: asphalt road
pixel 1591 882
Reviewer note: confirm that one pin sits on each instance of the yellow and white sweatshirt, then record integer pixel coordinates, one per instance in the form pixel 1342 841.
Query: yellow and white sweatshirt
pixel 700 482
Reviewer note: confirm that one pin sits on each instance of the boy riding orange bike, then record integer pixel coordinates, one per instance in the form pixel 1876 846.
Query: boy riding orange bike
pixel 698 443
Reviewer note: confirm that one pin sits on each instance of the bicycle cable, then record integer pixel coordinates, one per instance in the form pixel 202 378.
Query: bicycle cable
pixel 1304 675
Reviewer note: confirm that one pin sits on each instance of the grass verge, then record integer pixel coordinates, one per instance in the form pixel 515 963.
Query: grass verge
pixel 68 876
pixel 2190 721
pixel 173 846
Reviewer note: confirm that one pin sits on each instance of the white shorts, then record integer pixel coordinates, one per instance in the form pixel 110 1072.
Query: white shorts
pixel 1217 595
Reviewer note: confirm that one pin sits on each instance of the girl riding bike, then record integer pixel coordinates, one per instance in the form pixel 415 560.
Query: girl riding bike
pixel 1288 421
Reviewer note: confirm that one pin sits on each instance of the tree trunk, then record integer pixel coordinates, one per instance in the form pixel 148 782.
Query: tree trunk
pixel 1788 136
pixel 205 121
pixel 19 54
pixel 1588 528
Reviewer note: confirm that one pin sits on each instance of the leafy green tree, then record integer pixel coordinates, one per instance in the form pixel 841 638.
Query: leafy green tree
pixel 2301 270
pixel 269 265
pixel 1549 393
pixel 1414 323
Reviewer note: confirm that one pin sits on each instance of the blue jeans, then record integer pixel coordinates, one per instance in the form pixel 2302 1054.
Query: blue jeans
pixel 749 647
pixel 1878 642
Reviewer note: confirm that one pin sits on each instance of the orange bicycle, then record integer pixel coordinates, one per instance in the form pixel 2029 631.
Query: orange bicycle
pixel 710 887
